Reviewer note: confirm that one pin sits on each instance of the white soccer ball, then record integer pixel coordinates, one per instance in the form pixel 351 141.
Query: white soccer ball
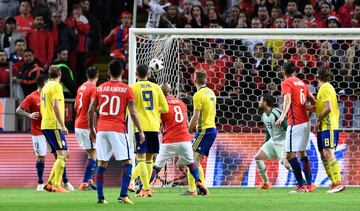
pixel 156 65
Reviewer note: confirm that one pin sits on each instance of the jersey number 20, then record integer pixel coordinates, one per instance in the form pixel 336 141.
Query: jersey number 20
pixel 114 106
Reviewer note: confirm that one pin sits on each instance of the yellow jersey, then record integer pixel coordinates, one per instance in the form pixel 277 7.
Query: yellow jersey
pixel 149 101
pixel 205 101
pixel 51 91
pixel 327 94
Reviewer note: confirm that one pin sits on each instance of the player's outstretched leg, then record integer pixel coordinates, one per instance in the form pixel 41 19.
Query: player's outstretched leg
pixel 307 171
pixel 260 164
pixel 295 165
pixel 144 177
pixel 126 177
pixel 40 165
pixel 100 182
pixel 194 171
pixel 59 166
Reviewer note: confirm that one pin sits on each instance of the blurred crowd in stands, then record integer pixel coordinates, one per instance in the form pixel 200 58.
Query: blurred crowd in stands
pixel 35 34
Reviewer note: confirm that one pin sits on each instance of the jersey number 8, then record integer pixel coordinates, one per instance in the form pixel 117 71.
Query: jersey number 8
pixel 179 117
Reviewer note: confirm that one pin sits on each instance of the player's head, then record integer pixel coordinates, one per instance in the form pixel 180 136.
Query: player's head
pixel 324 74
pixel 142 71
pixel 54 72
pixel 92 73
pixel 166 88
pixel 288 69
pixel 115 68
pixel 200 77
pixel 266 101
pixel 41 81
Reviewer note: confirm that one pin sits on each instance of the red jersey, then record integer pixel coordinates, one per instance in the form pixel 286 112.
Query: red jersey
pixel 299 91
pixel 113 98
pixel 24 25
pixel 175 128
pixel 83 98
pixel 32 104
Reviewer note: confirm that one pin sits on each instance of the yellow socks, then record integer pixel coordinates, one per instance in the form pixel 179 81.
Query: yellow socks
pixel 336 171
pixel 149 166
pixel 191 181
pixel 202 176
pixel 143 173
pixel 58 168
pixel 135 174
pixel 329 172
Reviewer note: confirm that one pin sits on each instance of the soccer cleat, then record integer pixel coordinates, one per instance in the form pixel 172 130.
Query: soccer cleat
pixel 48 187
pixel 144 193
pixel 153 191
pixel 125 200
pixel 190 193
pixel 202 190
pixel 92 185
pixel 102 201
pixel 40 187
pixel 60 190
pixel 84 186
pixel 131 188
pixel 311 188
pixel 336 188
pixel 299 189
pixel 68 187
pixel 265 186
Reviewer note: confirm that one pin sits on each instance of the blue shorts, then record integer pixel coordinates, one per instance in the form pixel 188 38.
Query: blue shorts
pixel 327 139
pixel 203 141
pixel 56 140
pixel 151 144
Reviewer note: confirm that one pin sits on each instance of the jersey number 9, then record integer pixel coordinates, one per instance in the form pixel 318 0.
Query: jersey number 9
pixel 148 97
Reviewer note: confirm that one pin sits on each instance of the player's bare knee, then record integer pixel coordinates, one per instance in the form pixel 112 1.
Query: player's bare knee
pixel 260 155
pixel 91 153
pixel 41 159
pixel 328 155
pixel 102 163
pixel 141 156
pixel 302 154
pixel 149 156
pixel 290 155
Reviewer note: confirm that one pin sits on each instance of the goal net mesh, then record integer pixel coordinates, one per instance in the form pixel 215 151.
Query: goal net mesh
pixel 241 69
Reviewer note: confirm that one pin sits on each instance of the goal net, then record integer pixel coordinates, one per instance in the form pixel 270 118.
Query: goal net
pixel 242 65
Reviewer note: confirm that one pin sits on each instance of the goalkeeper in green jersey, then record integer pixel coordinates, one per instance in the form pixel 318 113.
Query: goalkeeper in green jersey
pixel 274 146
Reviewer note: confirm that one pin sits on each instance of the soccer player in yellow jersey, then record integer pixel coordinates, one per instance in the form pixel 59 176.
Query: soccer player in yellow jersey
pixel 149 102
pixel 203 122
pixel 327 126
pixel 52 109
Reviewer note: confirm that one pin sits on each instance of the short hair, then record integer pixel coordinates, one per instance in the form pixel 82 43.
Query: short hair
pixel 115 68
pixel 39 14
pixel 76 6
pixel 270 101
pixel 324 74
pixel 2 51
pixel 61 49
pixel 40 81
pixel 200 77
pixel 289 68
pixel 142 70
pixel 19 40
pixel 298 17
pixel 28 1
pixel 54 71
pixel 92 72
pixel 29 50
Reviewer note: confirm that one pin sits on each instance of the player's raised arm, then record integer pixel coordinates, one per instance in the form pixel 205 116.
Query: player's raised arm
pixel 91 111
pixel 135 119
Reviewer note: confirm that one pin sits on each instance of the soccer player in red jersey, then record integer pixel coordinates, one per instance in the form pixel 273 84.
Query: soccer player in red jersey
pixel 30 108
pixel 176 139
pixel 83 97
pixel 113 98
pixel 296 94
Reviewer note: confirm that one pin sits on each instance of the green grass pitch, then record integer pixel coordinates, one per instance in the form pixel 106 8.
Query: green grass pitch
pixel 170 199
